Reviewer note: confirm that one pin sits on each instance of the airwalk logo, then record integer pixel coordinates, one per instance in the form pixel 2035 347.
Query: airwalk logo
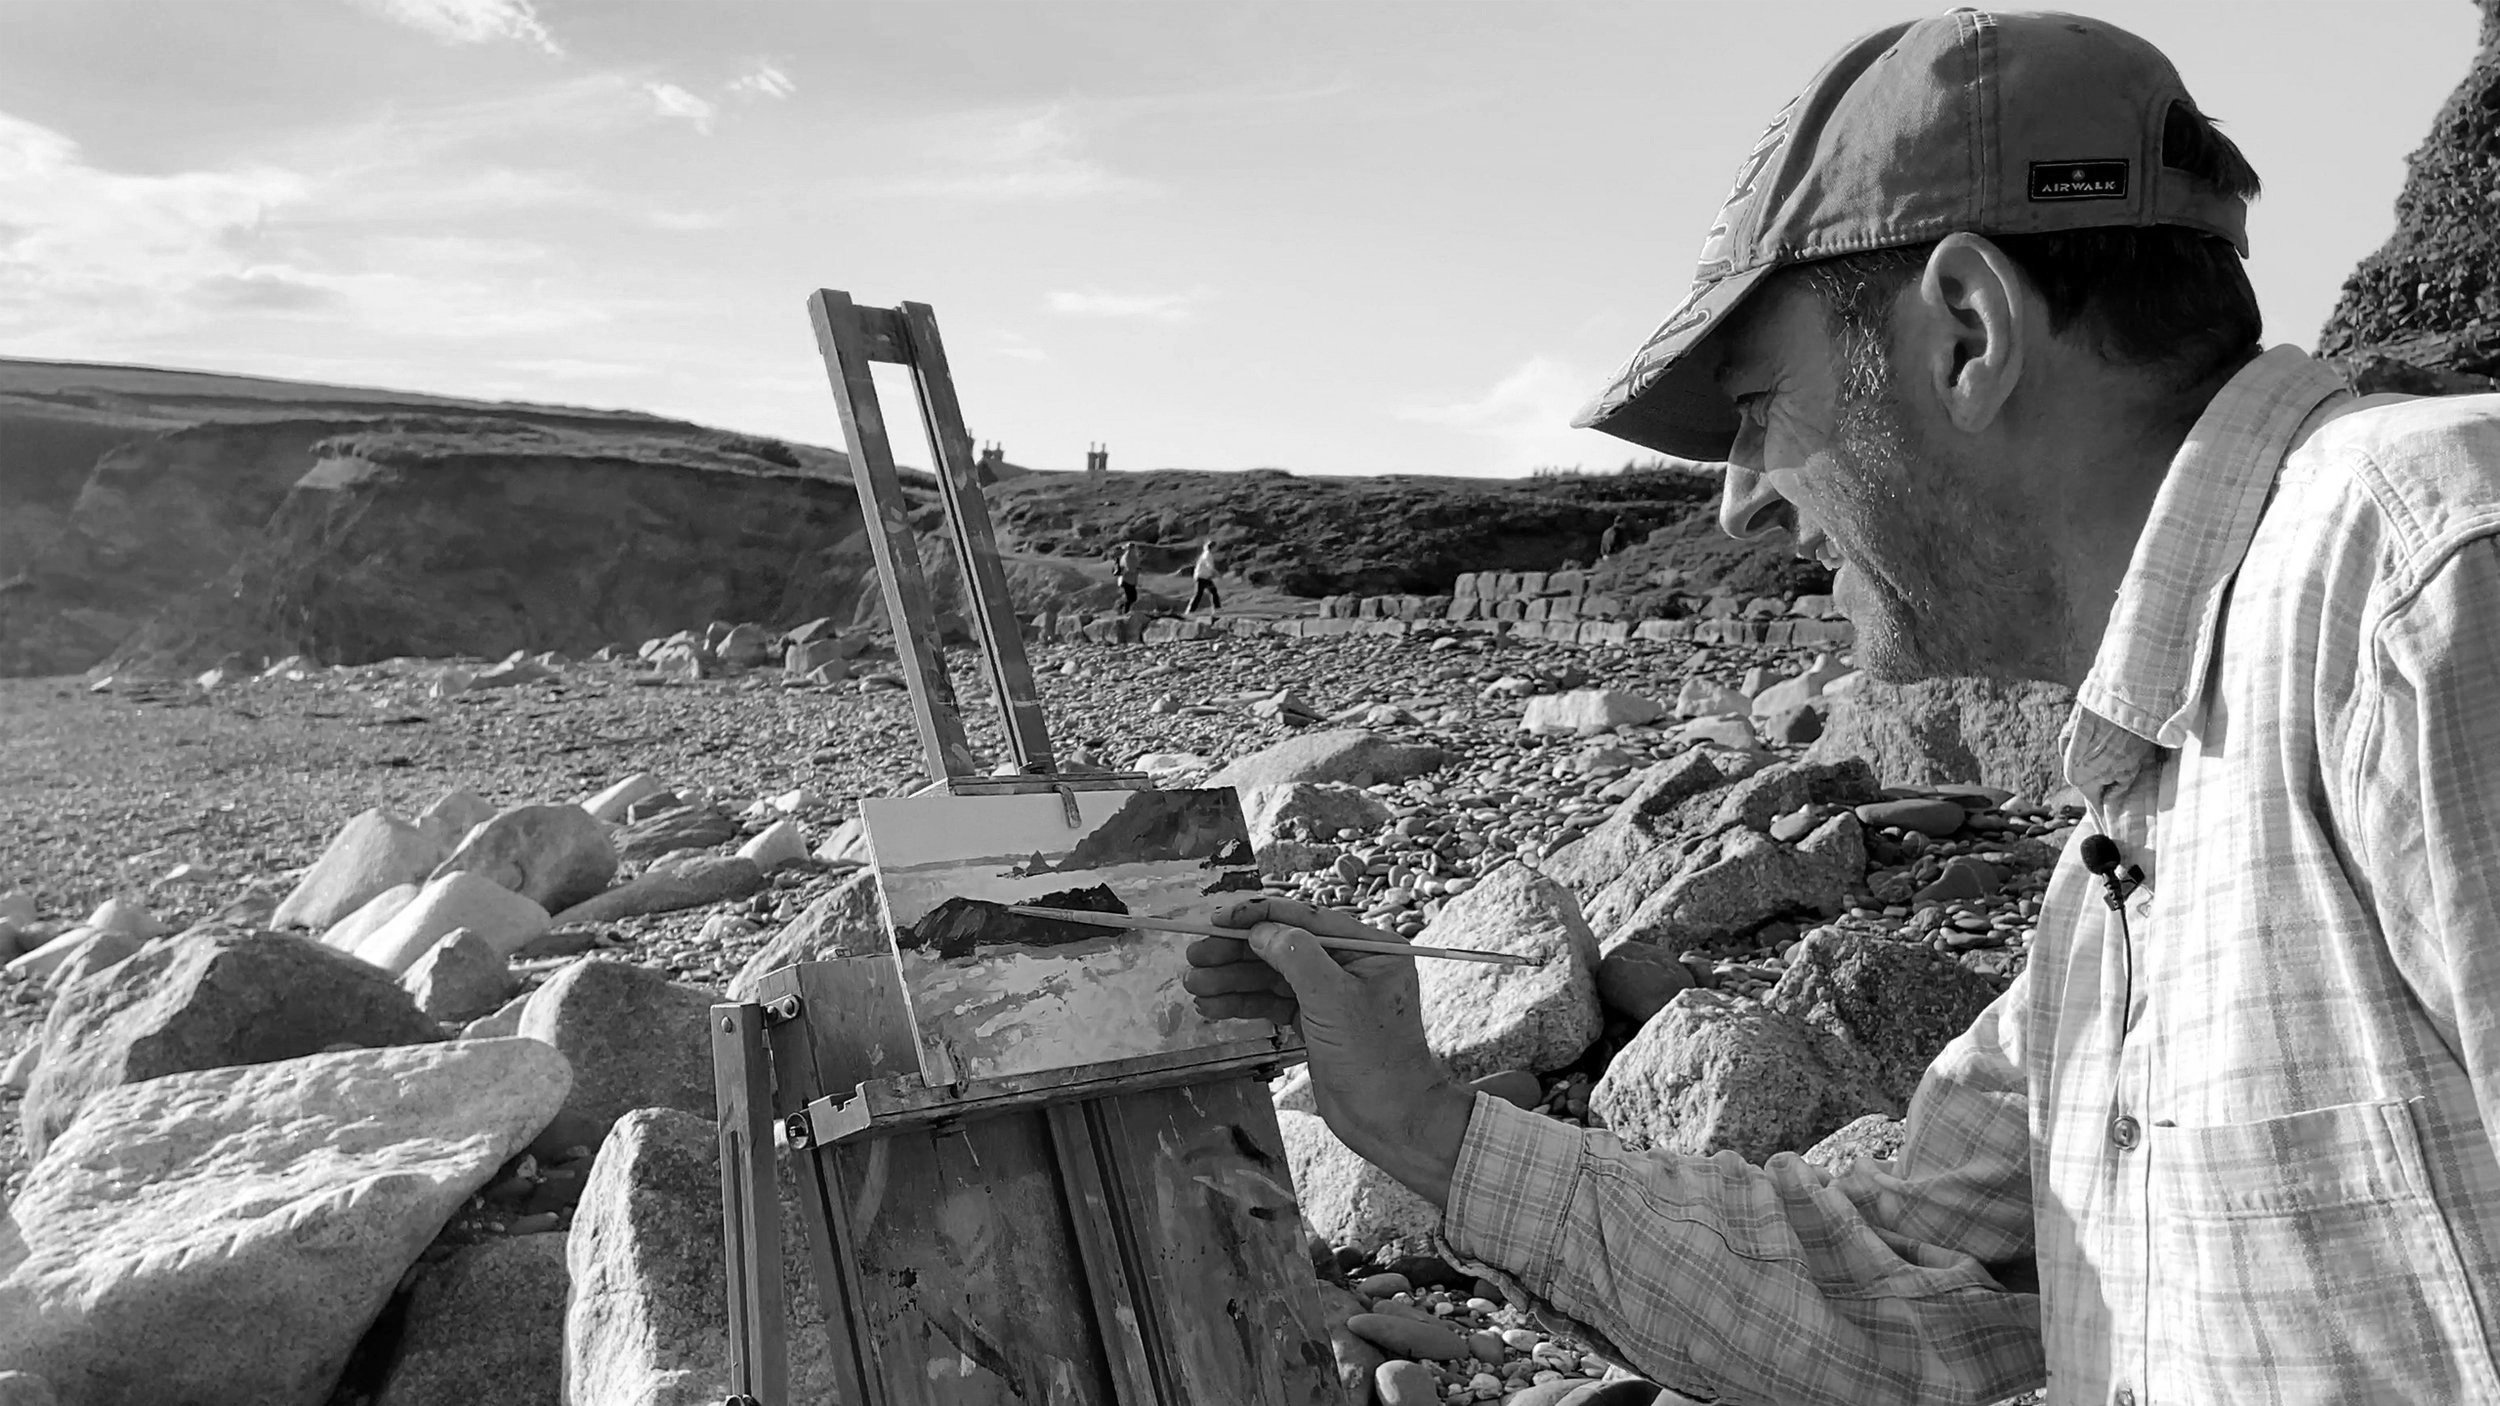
pixel 2078 180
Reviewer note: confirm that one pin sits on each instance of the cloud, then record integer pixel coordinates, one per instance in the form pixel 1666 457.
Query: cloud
pixel 91 243
pixel 1527 416
pixel 264 290
pixel 471 21
pixel 764 81
pixel 669 100
pixel 99 262
pixel 994 157
pixel 686 221
pixel 1150 307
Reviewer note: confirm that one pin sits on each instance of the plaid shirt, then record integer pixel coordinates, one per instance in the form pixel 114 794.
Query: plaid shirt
pixel 2242 1131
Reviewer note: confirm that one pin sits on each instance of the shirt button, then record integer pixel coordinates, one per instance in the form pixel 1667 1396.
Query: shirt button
pixel 2123 1133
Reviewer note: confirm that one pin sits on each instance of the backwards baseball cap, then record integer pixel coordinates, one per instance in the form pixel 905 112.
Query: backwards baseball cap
pixel 1964 122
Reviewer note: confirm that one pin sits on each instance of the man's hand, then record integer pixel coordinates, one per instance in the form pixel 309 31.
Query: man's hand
pixel 1372 1075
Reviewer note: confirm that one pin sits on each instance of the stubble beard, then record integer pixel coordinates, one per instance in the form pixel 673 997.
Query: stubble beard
pixel 1945 584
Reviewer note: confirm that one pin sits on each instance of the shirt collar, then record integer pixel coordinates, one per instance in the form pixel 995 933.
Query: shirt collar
pixel 2149 677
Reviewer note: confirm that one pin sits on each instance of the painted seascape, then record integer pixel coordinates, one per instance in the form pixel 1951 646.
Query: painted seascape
pixel 996 993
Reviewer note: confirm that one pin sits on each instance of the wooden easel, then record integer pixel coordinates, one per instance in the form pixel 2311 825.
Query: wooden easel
pixel 1120 1234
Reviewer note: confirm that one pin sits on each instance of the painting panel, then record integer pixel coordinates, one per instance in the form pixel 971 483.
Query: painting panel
pixel 995 993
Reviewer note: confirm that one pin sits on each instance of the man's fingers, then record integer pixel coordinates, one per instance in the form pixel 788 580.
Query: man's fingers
pixel 1235 979
pixel 1279 1009
pixel 1298 955
pixel 1219 951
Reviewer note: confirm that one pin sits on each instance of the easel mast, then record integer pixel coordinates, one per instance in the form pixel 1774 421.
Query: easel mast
pixel 1120 1234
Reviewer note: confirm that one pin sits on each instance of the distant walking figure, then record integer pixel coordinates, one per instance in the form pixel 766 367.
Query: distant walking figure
pixel 1124 566
pixel 1611 540
pixel 1204 576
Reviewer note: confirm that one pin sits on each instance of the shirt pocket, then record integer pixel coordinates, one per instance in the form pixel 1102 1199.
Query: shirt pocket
pixel 2302 1259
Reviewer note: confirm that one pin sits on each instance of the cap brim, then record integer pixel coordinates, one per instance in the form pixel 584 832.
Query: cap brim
pixel 1665 398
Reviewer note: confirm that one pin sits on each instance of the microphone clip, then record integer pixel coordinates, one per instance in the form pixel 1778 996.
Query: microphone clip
pixel 2118 881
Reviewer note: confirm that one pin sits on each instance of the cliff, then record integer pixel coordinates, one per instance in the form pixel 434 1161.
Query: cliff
pixel 2423 313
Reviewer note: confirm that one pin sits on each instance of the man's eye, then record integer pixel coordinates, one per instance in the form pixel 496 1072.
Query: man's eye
pixel 1751 405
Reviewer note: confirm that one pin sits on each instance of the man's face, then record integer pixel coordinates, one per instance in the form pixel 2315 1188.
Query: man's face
pixel 1937 564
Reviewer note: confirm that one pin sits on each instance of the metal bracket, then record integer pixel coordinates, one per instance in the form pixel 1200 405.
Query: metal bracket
pixel 781 1009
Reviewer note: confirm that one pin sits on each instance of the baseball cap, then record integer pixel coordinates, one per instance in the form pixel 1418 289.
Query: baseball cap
pixel 1963 122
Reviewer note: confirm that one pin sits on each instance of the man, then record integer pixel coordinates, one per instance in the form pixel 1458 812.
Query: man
pixel 1610 541
pixel 1124 567
pixel 1202 575
pixel 1974 328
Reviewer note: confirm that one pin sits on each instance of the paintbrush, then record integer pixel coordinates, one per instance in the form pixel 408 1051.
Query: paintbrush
pixel 1342 944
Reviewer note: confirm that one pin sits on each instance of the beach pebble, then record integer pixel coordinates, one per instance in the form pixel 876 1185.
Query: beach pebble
pixel 1934 818
pixel 1381 1286
pixel 1408 1338
pixel 1399 1382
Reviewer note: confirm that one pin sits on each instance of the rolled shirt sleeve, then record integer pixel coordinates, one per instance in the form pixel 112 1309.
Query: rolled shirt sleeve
pixel 1780 1283
pixel 2426 780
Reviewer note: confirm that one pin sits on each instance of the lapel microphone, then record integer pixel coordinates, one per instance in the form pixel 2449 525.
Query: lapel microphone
pixel 2100 855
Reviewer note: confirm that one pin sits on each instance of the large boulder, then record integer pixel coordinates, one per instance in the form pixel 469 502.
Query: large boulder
pixel 205 1002
pixel 1348 1201
pixel 453 814
pixel 1686 858
pixel 648 1321
pixel 485 1328
pixel 680 881
pixel 1320 808
pixel 554 856
pixel 1350 755
pixel 1871 1136
pixel 684 827
pixel 1743 879
pixel 349 933
pixel 374 852
pixel 502 919
pixel 224 1237
pixel 459 978
pixel 1884 1007
pixel 611 804
pixel 1953 732
pixel 635 1038
pixel 848 921
pixel 1715 1072
pixel 1483 1019
pixel 1586 712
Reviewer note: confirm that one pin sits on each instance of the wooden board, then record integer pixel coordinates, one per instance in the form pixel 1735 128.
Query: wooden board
pixel 845 344
pixel 993 1261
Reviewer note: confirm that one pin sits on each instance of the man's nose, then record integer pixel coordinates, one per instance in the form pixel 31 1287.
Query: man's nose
pixel 1748 506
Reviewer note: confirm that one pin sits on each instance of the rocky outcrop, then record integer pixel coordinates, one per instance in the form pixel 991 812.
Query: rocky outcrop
pixel 476 536
pixel 2422 315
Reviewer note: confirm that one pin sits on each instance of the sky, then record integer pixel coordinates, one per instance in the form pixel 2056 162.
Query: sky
pixel 1376 236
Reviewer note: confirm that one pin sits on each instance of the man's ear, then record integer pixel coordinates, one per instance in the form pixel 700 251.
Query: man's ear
pixel 1969 327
